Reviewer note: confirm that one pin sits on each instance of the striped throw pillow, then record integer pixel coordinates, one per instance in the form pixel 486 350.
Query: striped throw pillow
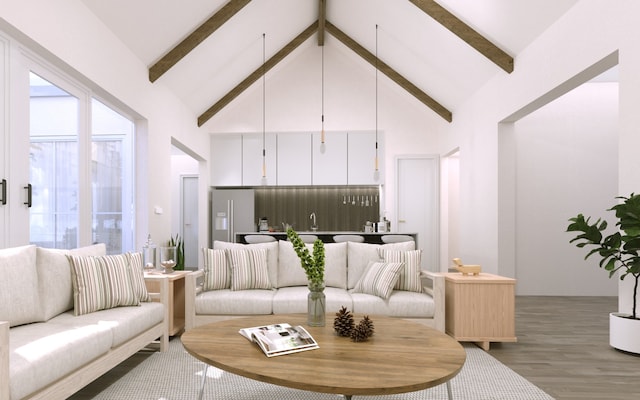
pixel 409 279
pixel 379 279
pixel 137 276
pixel 216 270
pixel 248 269
pixel 100 283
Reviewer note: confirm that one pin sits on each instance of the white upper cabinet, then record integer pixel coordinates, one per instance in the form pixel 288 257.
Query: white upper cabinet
pixel 252 159
pixel 226 160
pixel 361 159
pixel 329 166
pixel 294 159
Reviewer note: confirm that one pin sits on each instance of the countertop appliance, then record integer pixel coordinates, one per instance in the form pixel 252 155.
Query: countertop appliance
pixel 232 210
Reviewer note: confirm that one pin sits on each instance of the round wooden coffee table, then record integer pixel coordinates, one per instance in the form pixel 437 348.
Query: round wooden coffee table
pixel 402 356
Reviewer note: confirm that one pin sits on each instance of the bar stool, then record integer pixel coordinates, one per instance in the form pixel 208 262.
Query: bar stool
pixel 396 238
pixel 308 238
pixel 259 239
pixel 348 238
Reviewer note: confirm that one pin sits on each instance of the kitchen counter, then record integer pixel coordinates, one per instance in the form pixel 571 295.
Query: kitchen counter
pixel 327 236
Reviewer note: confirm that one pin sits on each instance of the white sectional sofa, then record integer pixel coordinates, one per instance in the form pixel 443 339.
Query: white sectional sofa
pixel 49 352
pixel 286 290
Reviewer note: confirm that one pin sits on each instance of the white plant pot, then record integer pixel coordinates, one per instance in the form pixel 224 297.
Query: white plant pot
pixel 624 333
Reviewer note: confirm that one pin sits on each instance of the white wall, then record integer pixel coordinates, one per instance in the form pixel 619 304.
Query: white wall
pixel 588 33
pixel 69 36
pixel 566 163
pixel 293 104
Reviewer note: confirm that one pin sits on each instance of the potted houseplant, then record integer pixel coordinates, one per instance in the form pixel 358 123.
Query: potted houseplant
pixel 178 243
pixel 313 264
pixel 619 254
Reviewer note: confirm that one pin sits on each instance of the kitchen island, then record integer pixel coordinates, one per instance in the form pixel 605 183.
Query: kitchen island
pixel 327 236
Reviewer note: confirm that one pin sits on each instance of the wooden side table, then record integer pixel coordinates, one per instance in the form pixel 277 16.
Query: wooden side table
pixel 175 296
pixel 480 308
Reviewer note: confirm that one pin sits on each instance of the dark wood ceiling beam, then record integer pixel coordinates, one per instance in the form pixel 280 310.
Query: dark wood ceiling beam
pixel 322 15
pixel 466 33
pixel 257 74
pixel 389 72
pixel 195 38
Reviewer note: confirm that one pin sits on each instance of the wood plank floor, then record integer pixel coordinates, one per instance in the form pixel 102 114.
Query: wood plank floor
pixel 563 348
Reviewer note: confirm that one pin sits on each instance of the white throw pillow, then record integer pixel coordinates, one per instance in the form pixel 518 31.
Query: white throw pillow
pixel 137 276
pixel 248 269
pixel 217 275
pixel 379 279
pixel 100 283
pixel 409 279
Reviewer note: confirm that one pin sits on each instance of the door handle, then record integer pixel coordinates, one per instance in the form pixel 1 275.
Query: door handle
pixel 402 220
pixel 4 192
pixel 29 191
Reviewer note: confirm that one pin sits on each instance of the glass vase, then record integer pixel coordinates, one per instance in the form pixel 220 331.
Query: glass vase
pixel 316 305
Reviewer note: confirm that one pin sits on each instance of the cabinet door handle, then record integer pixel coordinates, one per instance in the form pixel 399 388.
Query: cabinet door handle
pixel 29 190
pixel 4 192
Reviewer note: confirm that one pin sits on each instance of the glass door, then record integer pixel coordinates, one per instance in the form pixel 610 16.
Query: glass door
pixel 53 194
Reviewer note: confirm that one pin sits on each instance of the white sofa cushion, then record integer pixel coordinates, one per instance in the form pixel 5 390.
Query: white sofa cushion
pixel 291 273
pixel 19 295
pixel 229 302
pixel 54 277
pixel 272 255
pixel 401 304
pixel 43 353
pixel 359 255
pixel 294 300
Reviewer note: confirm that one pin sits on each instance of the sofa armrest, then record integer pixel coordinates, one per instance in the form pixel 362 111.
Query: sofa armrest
pixel 191 290
pixel 436 290
pixel 160 294
pixel 4 359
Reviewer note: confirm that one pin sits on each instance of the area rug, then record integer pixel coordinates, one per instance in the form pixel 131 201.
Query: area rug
pixel 175 375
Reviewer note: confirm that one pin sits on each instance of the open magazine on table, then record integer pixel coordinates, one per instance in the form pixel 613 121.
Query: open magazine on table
pixel 279 339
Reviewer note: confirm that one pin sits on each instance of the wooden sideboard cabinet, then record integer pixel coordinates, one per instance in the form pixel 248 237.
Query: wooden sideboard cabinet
pixel 480 308
pixel 175 296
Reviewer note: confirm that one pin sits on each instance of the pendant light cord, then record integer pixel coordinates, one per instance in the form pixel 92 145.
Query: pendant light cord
pixel 376 98
pixel 264 152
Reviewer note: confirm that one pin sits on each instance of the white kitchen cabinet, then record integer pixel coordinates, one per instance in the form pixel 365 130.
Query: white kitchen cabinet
pixel 226 160
pixel 294 159
pixel 252 159
pixel 329 167
pixel 361 158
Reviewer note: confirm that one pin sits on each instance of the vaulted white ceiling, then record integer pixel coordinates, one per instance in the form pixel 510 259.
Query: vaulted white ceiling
pixel 410 42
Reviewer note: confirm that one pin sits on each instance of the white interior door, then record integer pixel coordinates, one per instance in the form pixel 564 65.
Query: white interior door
pixel 417 195
pixel 190 220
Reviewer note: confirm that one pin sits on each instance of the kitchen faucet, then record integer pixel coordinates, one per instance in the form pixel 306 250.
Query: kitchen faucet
pixel 314 226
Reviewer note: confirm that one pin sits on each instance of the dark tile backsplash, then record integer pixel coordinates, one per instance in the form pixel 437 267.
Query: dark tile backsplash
pixel 341 208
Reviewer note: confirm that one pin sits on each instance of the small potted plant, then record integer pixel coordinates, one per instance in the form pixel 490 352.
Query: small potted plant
pixel 619 254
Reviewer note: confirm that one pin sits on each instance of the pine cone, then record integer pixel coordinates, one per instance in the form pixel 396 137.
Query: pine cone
pixel 343 323
pixel 362 331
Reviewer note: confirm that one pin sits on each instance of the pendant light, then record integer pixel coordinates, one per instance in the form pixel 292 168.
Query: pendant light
pixel 376 172
pixel 322 137
pixel 264 151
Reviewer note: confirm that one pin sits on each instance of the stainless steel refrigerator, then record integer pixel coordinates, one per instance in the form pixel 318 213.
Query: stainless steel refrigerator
pixel 232 211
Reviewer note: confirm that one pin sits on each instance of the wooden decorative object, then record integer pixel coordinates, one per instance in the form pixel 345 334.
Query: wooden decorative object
pixel 467 269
